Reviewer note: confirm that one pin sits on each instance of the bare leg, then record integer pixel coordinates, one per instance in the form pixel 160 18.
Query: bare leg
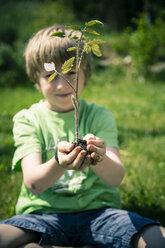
pixel 34 245
pixel 152 236
pixel 11 236
pixel 30 245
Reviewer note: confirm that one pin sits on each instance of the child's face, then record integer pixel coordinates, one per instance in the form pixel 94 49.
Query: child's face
pixel 58 93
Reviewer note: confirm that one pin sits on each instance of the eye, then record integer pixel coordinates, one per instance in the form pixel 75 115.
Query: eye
pixel 71 73
pixel 48 75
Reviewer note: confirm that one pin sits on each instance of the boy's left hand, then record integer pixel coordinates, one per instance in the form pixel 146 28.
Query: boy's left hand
pixel 97 148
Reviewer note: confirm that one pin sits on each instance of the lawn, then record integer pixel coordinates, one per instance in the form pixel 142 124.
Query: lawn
pixel 139 112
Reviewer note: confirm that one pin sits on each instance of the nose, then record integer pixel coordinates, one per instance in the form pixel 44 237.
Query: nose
pixel 61 83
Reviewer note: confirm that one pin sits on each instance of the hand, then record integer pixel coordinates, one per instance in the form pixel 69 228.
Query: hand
pixel 97 148
pixel 72 158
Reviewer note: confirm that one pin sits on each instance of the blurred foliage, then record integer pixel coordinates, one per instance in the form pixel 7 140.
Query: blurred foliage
pixel 144 41
pixel 51 12
pixel 18 26
pixel 115 13
pixel 145 45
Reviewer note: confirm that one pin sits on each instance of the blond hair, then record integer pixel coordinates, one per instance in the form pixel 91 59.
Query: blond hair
pixel 42 48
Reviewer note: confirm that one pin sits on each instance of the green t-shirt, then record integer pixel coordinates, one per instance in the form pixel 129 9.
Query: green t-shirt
pixel 39 129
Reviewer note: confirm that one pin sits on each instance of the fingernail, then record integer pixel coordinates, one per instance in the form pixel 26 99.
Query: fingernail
pixel 84 152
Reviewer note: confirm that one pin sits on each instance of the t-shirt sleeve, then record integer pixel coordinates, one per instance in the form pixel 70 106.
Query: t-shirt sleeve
pixel 104 126
pixel 25 137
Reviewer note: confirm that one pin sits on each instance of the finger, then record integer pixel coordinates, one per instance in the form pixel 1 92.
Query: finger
pixel 96 158
pixel 65 147
pixel 97 142
pixel 92 148
pixel 79 161
pixel 86 162
pixel 70 157
pixel 89 136
pixel 93 162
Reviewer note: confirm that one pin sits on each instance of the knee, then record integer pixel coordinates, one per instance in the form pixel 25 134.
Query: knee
pixel 151 236
pixel 3 239
pixel 3 243
pixel 30 245
pixel 11 236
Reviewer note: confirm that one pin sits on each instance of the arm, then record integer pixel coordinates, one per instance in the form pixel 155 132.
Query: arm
pixel 108 164
pixel 110 169
pixel 39 176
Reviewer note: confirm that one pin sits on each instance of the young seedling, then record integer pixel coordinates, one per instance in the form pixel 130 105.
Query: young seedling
pixel 83 44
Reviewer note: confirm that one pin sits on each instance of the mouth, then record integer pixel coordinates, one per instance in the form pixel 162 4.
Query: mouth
pixel 63 95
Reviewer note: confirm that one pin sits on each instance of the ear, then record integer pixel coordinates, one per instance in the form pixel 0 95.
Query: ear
pixel 38 87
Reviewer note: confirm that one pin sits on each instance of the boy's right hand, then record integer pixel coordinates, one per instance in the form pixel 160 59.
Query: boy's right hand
pixel 72 158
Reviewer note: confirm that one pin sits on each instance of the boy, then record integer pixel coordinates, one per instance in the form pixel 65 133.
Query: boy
pixel 67 200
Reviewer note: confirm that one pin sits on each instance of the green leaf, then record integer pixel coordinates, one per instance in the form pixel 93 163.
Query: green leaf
pixel 91 31
pixel 67 66
pixel 93 22
pixel 74 27
pixel 59 34
pixel 51 77
pixel 71 49
pixel 84 38
pixel 87 48
pixel 96 50
pixel 74 37
pixel 97 41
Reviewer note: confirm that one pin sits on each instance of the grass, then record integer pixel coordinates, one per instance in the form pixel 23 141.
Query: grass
pixel 139 112
pixel 12 100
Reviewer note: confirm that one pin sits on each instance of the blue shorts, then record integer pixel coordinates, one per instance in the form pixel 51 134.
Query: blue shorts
pixel 98 228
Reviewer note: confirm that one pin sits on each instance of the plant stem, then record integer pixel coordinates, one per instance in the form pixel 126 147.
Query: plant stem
pixel 78 63
pixel 76 111
pixel 75 102
pixel 77 98
pixel 77 124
